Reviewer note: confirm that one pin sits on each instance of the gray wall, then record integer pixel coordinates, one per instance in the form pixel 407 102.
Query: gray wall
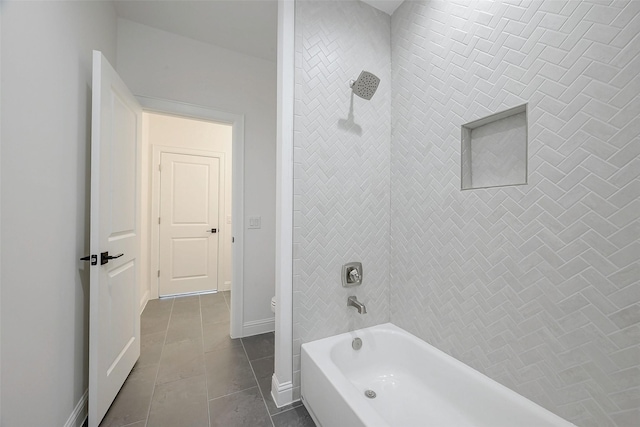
pixel 537 285
pixel 341 172
pixel 46 124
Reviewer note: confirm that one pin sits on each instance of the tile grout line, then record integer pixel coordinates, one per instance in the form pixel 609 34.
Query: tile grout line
pixel 231 394
pixel 264 402
pixel 261 358
pixel 146 421
pixel 206 384
pixel 224 296
pixel 286 410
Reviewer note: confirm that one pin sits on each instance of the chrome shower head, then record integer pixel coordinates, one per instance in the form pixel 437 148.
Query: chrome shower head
pixel 366 85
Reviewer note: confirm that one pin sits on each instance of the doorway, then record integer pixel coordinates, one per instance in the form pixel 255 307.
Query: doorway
pixel 191 176
pixel 197 127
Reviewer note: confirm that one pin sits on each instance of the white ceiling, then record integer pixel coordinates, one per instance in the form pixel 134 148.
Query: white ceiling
pixel 245 26
pixel 388 6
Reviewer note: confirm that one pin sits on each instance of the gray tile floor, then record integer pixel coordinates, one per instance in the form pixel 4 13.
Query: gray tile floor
pixel 190 373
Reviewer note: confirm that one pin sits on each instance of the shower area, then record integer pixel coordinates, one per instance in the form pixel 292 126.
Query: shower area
pixel 535 285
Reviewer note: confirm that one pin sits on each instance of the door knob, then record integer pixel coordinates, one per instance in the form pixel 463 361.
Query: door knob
pixel 105 257
pixel 212 231
pixel 92 258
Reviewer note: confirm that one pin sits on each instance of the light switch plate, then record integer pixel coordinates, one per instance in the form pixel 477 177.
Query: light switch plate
pixel 255 222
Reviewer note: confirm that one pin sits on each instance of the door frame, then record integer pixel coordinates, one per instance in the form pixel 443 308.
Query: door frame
pixel 190 111
pixel 156 187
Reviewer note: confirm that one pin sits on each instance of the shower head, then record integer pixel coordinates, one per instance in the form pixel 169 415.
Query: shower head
pixel 366 85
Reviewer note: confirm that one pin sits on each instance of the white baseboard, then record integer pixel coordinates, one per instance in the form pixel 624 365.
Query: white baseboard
pixel 79 414
pixel 258 327
pixel 281 393
pixel 144 300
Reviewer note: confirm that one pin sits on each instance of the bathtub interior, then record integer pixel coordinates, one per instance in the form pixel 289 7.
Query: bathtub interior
pixel 416 384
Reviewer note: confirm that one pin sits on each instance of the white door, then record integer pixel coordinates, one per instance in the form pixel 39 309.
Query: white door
pixel 189 227
pixel 114 331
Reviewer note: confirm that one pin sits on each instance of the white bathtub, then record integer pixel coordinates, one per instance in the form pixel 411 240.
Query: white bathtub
pixel 416 385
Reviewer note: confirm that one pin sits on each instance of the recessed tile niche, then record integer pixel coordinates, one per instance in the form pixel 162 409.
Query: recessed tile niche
pixel 494 150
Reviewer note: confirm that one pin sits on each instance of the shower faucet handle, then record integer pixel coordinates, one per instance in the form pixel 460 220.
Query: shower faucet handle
pixel 351 274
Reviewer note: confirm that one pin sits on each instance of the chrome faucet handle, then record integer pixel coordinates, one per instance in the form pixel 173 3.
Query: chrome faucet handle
pixel 351 274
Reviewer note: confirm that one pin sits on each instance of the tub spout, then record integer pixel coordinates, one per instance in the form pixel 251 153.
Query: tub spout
pixel 353 302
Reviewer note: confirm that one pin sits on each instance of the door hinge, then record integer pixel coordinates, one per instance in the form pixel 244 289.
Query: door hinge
pixel 158 220
pixel 158 273
pixel 159 168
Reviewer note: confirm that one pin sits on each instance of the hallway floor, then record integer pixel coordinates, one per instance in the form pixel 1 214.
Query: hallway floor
pixel 191 374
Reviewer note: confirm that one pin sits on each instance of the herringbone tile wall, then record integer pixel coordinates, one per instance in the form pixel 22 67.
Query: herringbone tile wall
pixel 536 286
pixel 342 166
